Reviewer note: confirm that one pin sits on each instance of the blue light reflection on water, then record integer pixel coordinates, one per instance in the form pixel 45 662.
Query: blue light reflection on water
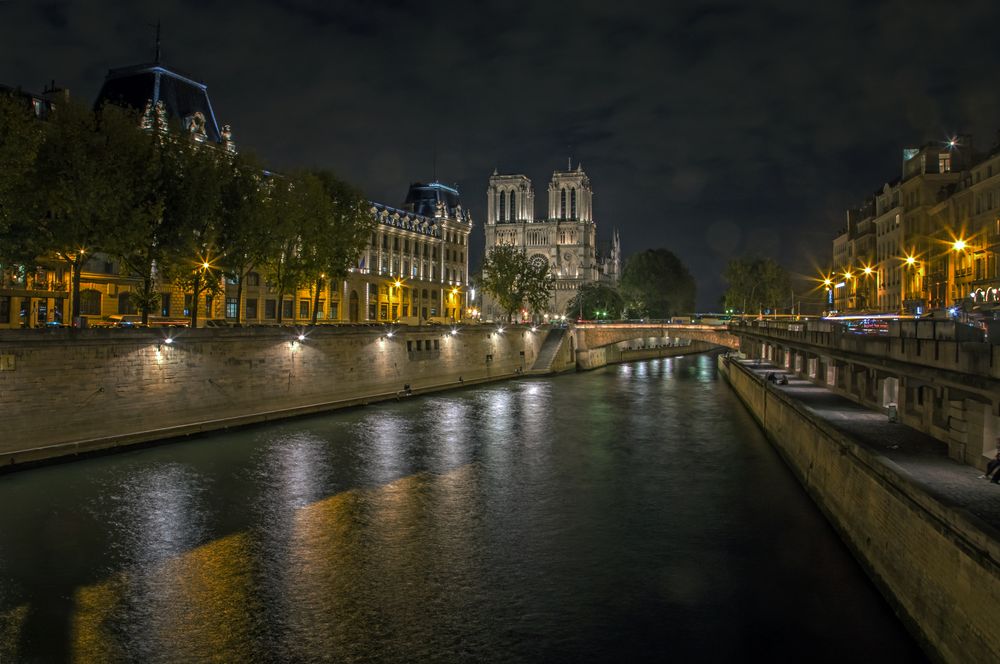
pixel 628 514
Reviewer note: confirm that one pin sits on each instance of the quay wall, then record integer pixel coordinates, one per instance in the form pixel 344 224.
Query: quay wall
pixel 66 392
pixel 938 565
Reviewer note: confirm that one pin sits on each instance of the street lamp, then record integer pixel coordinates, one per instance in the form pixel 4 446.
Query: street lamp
pixel 399 296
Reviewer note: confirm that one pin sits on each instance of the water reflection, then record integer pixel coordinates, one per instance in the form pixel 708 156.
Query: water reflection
pixel 589 517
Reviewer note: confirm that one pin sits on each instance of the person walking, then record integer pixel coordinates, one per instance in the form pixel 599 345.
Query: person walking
pixel 993 467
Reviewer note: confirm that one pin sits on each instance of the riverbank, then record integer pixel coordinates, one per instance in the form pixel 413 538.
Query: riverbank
pixel 933 549
pixel 67 392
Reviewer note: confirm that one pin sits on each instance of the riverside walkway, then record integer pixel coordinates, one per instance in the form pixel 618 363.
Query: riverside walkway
pixel 917 456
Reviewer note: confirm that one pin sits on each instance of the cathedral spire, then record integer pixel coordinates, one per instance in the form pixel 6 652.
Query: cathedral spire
pixel 157 58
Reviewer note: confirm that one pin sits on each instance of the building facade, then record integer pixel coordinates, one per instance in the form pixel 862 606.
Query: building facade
pixel 414 270
pixel 926 241
pixel 566 238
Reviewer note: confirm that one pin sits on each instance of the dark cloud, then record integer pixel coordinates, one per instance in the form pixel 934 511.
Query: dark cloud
pixel 710 128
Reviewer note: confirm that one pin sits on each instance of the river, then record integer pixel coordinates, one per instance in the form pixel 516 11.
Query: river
pixel 633 513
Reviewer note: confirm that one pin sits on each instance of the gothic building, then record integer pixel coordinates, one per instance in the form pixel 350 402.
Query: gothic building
pixel 566 238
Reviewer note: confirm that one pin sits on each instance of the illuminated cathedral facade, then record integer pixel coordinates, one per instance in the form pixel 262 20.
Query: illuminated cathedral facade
pixel 566 238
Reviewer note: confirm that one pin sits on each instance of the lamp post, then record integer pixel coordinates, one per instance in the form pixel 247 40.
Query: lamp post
pixel 399 296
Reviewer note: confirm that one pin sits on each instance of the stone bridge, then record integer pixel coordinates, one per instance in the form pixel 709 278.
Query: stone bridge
pixel 590 336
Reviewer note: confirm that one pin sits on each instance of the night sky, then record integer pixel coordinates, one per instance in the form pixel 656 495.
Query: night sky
pixel 711 129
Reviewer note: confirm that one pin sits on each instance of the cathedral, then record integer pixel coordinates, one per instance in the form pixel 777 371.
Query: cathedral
pixel 566 238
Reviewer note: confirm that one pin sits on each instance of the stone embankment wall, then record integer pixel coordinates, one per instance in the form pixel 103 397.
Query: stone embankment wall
pixel 67 392
pixel 939 566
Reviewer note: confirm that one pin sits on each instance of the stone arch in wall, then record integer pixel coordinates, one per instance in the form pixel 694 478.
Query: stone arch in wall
pixel 353 307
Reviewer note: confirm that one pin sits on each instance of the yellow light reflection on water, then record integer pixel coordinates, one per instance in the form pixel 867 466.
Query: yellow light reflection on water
pixel 212 602
pixel 11 624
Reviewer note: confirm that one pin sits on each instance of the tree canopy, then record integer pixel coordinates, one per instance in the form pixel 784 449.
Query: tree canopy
pixel 656 284
pixel 757 285
pixel 170 209
pixel 514 280
pixel 596 300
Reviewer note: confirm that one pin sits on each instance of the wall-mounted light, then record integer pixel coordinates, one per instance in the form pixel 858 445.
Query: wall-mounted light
pixel 302 337
pixel 534 329
pixel 168 340
pixel 499 330
pixel 454 331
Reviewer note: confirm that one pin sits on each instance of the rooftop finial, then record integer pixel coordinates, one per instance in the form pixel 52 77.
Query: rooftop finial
pixel 157 60
pixel 569 163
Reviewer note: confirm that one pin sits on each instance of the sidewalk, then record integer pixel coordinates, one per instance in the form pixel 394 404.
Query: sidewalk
pixel 918 455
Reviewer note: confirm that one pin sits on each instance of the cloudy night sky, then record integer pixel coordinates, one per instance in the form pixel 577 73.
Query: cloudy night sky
pixel 712 129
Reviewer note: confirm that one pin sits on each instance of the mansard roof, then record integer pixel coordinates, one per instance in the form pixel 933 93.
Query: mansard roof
pixel 424 199
pixel 182 95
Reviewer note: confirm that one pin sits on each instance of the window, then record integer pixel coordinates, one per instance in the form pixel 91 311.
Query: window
pixel 253 279
pixel 287 309
pixel 420 344
pixel 513 206
pixel 319 308
pixel 437 344
pixel 303 308
pixel 125 304
pixel 562 203
pixel 371 311
pixel 250 308
pixel 187 304
pixel 270 309
pixel 209 309
pixel 503 207
pixel 572 203
pixel 164 304
pixel 231 307
pixel 90 303
pixel 383 312
pixel 335 310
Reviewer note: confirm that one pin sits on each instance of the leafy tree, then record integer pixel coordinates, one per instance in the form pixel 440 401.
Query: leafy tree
pixel 514 280
pixel 192 211
pixel 135 227
pixel 20 138
pixel 655 283
pixel 341 237
pixel 246 233
pixel 756 284
pixel 298 209
pixel 596 297
pixel 77 185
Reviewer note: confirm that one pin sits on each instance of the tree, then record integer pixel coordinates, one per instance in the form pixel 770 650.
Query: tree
pixel 298 208
pixel 655 283
pixel 756 284
pixel 343 235
pixel 136 227
pixel 20 138
pixel 514 280
pixel 77 185
pixel 245 230
pixel 596 297
pixel 192 210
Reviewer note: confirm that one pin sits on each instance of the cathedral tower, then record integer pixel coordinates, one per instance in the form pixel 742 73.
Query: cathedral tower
pixel 510 199
pixel 570 196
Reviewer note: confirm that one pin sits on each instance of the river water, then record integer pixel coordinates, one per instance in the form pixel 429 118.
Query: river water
pixel 629 514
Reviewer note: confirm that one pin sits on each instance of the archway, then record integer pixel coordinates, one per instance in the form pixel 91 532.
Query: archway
pixel 353 307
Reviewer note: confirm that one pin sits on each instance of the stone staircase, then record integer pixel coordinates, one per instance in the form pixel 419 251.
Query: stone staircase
pixel 550 348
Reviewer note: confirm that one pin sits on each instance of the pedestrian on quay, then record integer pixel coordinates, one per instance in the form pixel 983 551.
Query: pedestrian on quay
pixel 993 467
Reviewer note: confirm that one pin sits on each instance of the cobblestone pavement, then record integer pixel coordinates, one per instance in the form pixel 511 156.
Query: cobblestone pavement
pixel 919 456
